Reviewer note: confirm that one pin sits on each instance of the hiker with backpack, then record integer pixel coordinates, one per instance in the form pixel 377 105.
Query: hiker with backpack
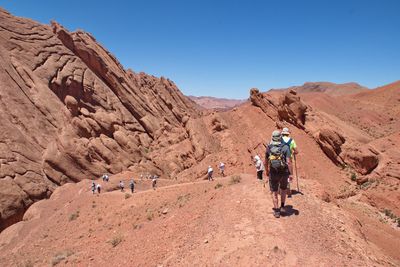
pixel 293 151
pixel 121 186
pixel 259 167
pixel 132 185
pixel 222 168
pixel 98 188
pixel 210 173
pixel 279 168
pixel 105 177
pixel 154 182
pixel 93 187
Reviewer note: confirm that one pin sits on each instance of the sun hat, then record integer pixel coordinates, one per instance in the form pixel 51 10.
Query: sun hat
pixel 285 131
pixel 276 137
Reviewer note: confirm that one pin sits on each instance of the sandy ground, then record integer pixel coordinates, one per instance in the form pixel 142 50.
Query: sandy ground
pixel 200 223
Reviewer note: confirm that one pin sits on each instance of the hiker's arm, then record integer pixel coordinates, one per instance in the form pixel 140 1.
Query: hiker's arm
pixel 266 165
pixel 295 149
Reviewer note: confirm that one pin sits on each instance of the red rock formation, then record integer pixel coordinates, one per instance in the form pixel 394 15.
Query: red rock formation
pixel 331 143
pixel 70 111
pixel 292 109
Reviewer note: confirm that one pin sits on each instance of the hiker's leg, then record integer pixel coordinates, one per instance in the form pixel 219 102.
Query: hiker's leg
pixel 283 187
pixel 274 196
pixel 273 185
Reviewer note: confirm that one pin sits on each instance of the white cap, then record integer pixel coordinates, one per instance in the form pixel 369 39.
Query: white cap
pixel 285 131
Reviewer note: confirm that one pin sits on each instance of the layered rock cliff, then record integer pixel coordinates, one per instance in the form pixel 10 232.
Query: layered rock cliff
pixel 69 111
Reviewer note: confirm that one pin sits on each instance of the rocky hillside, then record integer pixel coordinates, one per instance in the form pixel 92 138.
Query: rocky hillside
pixel 327 88
pixel 208 102
pixel 70 111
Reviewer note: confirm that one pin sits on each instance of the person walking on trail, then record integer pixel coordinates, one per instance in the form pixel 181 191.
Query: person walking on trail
pixel 210 173
pixel 132 185
pixel 154 182
pixel 93 187
pixel 222 168
pixel 105 177
pixel 98 188
pixel 259 167
pixel 279 168
pixel 293 151
pixel 121 186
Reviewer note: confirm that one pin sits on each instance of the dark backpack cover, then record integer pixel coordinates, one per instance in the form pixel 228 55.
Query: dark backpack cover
pixel 277 158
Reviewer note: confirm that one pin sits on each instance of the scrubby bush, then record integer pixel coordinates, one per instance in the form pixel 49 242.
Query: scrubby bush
pixel 235 179
pixel 74 216
pixel 116 240
pixel 149 215
pixel 60 256
pixel 353 177
pixel 219 185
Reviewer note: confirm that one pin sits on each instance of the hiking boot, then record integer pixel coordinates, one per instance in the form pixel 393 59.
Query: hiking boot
pixel 277 213
pixel 282 211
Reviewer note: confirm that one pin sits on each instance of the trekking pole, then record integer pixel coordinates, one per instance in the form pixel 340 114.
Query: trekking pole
pixel 297 177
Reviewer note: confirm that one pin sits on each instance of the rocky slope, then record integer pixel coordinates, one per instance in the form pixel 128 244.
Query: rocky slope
pixel 194 224
pixel 327 88
pixel 70 111
pixel 208 102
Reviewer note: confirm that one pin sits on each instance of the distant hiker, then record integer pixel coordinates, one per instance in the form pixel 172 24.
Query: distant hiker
pixel 293 151
pixel 98 188
pixel 121 185
pixel 210 173
pixel 279 168
pixel 154 182
pixel 222 168
pixel 93 187
pixel 132 185
pixel 259 167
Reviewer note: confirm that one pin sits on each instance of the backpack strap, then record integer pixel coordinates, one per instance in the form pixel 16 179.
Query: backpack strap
pixel 288 142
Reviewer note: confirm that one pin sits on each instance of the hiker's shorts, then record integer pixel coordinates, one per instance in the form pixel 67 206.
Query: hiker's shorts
pixel 259 175
pixel 278 180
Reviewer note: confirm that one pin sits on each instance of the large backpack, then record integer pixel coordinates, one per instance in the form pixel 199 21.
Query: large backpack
pixel 277 159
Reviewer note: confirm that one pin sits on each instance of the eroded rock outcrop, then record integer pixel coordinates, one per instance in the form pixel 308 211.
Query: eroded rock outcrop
pixel 266 104
pixel 331 143
pixel 70 111
pixel 342 150
pixel 292 109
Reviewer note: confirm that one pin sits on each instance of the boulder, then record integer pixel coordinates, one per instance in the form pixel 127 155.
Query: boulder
pixel 331 143
pixel 292 109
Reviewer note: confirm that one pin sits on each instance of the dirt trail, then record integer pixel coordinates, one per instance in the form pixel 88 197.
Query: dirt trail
pixel 196 224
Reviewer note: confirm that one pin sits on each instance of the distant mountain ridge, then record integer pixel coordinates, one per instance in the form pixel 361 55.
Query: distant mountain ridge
pixel 328 88
pixel 209 102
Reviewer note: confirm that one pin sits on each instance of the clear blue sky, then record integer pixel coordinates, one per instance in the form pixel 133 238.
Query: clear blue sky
pixel 223 48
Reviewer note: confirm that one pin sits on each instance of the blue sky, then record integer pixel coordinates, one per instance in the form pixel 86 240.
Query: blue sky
pixel 223 48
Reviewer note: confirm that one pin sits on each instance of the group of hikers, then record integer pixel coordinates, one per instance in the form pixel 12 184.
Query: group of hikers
pixel 278 166
pixel 279 158
pixel 97 187
pixel 210 171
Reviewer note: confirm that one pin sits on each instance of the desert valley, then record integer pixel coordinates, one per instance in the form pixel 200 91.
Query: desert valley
pixel 71 112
